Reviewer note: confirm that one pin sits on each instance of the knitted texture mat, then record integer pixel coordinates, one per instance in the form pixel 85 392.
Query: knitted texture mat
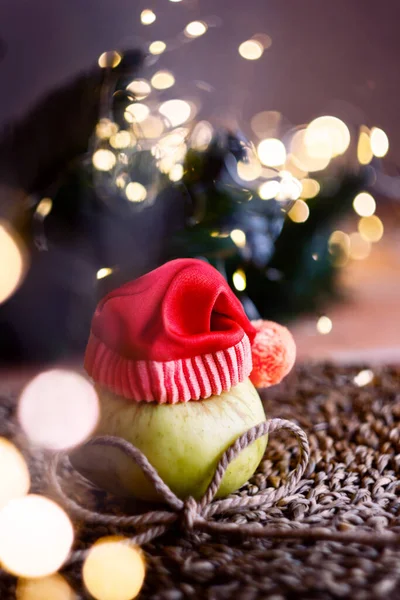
pixel 352 484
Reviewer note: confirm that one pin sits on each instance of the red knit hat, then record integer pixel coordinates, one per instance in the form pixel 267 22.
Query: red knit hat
pixel 176 334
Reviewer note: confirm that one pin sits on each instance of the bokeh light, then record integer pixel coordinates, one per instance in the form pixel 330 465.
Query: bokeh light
pixel 104 272
pixel 195 29
pixel 364 204
pixel 140 88
pixel 379 142
pixel 299 212
pixel 105 128
pixel 264 39
pixel 359 247
pixel 58 409
pixel 309 188
pixel 152 127
pixel 162 80
pixel 104 160
pixel 109 60
pixel 338 239
pixel 364 150
pixel 239 280
pixel 36 536
pixel 114 569
pixel 364 377
pixel 176 111
pixel 147 17
pixel 157 47
pixel 339 248
pixel 176 173
pixel 308 153
pixel 290 187
pixel 138 112
pixel 251 50
pixel 269 189
pixel 266 123
pixel 53 587
pixel 238 237
pixel 201 136
pixel 122 139
pixel 14 473
pixel 324 325
pixel 271 152
pixel 328 131
pixel 13 261
pixel 135 192
pixel 371 228
pixel 44 207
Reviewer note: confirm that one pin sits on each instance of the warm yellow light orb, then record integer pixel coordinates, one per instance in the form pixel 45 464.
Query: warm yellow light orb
pixel 324 325
pixel 364 377
pixel 54 587
pixel 104 160
pixel 176 173
pixel 137 111
pixel 114 570
pixel 122 139
pixel 238 237
pixel 271 152
pixel 201 135
pixel 359 247
pixel 109 59
pixel 269 189
pixel 105 129
pixel 339 239
pixel 14 474
pixel 239 280
pixel 44 207
pixel 157 47
pixel 328 130
pixel 364 150
pixel 379 142
pixel 36 536
pixel 266 123
pixel 152 127
pixel 58 409
pixel 162 80
pixel 195 29
pixel 371 228
pixel 135 192
pixel 290 187
pixel 308 153
pixel 299 212
pixel 140 88
pixel 309 188
pixel 147 17
pixel 104 272
pixel 364 204
pixel 251 50
pixel 12 261
pixel 176 112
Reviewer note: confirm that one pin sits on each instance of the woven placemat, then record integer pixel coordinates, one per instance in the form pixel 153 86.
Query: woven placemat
pixel 352 483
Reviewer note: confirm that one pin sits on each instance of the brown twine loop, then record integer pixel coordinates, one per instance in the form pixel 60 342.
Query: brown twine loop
pixel 194 515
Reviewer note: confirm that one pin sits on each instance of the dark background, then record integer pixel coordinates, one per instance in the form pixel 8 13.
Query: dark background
pixel 336 57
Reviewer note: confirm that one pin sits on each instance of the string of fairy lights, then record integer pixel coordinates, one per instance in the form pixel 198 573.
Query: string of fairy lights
pixel 59 409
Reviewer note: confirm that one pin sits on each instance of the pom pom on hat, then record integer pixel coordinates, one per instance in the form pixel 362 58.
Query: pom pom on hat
pixel 273 352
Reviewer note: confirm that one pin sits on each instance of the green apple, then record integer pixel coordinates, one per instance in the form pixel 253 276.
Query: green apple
pixel 183 441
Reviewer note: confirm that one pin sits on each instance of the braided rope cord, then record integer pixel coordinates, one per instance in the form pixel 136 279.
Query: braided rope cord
pixel 194 515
